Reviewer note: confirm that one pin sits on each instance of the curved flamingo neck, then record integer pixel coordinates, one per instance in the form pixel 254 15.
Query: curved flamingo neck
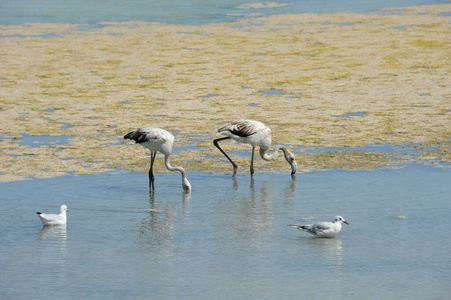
pixel 269 157
pixel 185 182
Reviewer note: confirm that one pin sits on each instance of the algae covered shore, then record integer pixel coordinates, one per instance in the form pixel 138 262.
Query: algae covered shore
pixel 337 82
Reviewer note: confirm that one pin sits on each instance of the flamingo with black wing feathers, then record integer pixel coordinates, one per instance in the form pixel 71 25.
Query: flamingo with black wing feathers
pixel 254 133
pixel 158 140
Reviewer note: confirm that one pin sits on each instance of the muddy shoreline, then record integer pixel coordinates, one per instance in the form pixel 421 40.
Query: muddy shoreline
pixel 340 81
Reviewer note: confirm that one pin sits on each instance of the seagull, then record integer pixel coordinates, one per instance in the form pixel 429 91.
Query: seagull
pixel 323 229
pixel 256 134
pixel 157 140
pixel 53 219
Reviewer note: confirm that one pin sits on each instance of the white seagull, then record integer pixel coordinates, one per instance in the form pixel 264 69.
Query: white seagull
pixel 157 140
pixel 323 229
pixel 256 134
pixel 53 219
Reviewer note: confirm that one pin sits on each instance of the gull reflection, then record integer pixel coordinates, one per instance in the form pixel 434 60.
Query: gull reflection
pixel 58 232
pixel 328 249
pixel 332 253
pixel 53 246
pixel 54 237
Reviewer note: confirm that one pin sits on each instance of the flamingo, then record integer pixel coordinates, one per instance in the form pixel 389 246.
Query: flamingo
pixel 256 134
pixel 53 219
pixel 157 140
pixel 323 229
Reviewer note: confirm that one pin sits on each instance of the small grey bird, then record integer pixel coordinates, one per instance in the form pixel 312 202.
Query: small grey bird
pixel 323 229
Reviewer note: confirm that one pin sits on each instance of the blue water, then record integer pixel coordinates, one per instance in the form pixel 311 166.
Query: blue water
pixel 176 11
pixel 229 239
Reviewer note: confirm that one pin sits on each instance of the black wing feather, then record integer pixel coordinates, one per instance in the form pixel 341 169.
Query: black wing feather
pixel 138 136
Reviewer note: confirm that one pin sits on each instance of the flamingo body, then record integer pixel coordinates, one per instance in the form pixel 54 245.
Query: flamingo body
pixel 250 132
pixel 157 140
pixel 256 134
pixel 154 139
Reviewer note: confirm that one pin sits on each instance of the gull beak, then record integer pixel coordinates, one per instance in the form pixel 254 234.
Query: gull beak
pixel 67 210
pixel 346 222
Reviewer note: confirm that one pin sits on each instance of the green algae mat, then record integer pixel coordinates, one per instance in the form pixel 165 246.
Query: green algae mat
pixel 338 81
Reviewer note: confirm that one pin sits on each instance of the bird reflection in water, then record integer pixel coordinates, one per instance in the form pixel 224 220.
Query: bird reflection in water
pixel 53 242
pixel 58 232
pixel 329 252
pixel 157 229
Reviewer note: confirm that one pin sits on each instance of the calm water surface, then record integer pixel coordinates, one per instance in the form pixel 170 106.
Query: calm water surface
pixel 229 239
pixel 175 11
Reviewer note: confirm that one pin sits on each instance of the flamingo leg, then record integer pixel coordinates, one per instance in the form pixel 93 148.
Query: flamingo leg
pixel 216 143
pixel 252 161
pixel 153 154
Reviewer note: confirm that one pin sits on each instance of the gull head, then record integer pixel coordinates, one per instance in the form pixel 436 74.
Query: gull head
pixel 340 220
pixel 63 208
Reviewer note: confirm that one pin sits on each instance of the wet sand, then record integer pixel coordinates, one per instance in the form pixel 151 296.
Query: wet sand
pixel 338 80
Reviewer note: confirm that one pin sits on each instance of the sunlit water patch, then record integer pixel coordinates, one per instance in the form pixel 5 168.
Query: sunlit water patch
pixel 413 149
pixel 42 36
pixel 228 238
pixel 272 92
pixel 348 115
pixel 36 141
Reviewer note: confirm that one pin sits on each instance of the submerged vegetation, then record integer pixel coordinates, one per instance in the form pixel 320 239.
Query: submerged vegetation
pixel 385 75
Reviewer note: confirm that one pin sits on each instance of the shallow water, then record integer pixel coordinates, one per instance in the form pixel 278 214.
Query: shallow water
pixel 229 239
pixel 194 12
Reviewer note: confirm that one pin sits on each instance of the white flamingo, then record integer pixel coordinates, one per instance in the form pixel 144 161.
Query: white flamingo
pixel 157 140
pixel 256 134
pixel 54 219
pixel 323 229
